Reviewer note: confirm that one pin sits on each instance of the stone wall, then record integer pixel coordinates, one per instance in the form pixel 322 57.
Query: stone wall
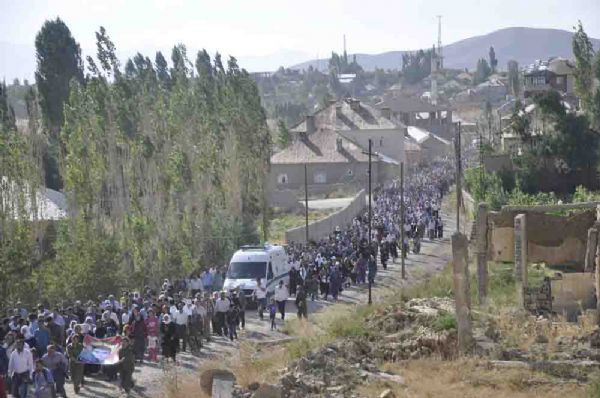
pixel 322 228
pixel 552 239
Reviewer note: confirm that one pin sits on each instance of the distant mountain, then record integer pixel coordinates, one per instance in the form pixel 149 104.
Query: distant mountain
pixel 524 45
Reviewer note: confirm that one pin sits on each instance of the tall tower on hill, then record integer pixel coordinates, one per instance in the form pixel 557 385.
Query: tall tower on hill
pixel 440 54
pixel 437 63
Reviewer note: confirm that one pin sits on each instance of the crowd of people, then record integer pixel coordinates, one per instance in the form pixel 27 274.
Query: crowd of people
pixel 41 347
pixel 350 256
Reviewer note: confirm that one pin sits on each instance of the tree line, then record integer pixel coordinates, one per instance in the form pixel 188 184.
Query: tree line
pixel 164 169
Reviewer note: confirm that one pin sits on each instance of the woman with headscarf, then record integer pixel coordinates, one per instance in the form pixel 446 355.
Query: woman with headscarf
pixel 138 333
pixel 169 338
pixel 76 367
pixel 152 328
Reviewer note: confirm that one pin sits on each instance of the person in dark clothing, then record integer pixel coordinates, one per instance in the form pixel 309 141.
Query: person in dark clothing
pixel 126 364
pixel 138 333
pixel 170 342
pixel 241 304
pixel 301 302
pixel 3 369
pixel 232 321
pixel 384 254
pixel 293 280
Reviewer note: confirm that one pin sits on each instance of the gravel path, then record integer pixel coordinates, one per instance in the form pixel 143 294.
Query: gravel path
pixel 150 378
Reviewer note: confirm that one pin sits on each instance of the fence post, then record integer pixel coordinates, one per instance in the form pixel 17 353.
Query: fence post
pixel 590 249
pixel 520 257
pixel 460 267
pixel 482 248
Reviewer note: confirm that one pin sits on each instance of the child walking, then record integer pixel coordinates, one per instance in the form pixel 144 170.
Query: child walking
pixel 272 313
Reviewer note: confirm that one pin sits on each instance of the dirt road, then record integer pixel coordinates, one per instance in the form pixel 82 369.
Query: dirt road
pixel 150 378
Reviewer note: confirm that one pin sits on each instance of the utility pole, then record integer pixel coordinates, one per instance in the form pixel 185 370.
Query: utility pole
pixel 458 178
pixel 306 201
pixel 370 213
pixel 482 170
pixel 402 252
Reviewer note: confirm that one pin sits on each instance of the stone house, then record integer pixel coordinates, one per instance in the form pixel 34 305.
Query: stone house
pixel 331 161
pixel 431 145
pixel 554 74
pixel 333 143
pixel 412 111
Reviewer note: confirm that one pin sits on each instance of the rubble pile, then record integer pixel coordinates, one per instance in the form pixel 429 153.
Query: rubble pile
pixel 401 331
pixel 415 329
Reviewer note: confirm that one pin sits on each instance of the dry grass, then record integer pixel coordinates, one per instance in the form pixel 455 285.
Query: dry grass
pixel 256 364
pixel 468 378
pixel 521 330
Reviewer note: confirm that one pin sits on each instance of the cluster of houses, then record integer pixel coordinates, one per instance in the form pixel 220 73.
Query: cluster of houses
pixel 329 150
pixel 556 74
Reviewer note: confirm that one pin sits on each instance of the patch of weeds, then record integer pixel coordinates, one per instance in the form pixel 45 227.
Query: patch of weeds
pixel 594 390
pixel 446 321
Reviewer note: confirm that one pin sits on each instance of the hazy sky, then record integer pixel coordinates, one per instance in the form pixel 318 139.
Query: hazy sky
pixel 293 30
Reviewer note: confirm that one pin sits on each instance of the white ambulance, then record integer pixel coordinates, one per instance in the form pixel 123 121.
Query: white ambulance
pixel 268 262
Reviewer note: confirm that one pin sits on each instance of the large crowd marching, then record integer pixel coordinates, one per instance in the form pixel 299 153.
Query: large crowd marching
pixel 41 346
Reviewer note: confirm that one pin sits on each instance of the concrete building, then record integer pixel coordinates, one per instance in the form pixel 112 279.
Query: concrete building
pixel 413 112
pixel 554 74
pixel 333 143
pixel 431 145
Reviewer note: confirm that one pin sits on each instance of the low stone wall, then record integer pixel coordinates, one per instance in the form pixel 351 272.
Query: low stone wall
pixel 552 239
pixel 285 199
pixel 322 228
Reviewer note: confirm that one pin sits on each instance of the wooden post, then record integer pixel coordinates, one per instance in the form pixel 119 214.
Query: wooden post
pixel 402 252
pixel 597 225
pixel 590 250
pixel 306 202
pixel 460 267
pixel 520 256
pixel 482 248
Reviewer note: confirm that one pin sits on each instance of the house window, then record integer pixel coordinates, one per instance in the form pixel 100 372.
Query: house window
pixel 320 177
pixel 282 179
pixel 381 141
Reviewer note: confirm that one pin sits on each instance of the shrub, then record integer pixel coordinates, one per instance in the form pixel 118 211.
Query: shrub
pixel 446 321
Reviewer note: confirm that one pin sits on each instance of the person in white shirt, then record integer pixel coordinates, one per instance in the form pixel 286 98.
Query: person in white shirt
pixel 125 318
pixel 196 284
pixel 20 368
pixel 113 315
pixel 281 295
pixel 181 321
pixel 221 307
pixel 260 294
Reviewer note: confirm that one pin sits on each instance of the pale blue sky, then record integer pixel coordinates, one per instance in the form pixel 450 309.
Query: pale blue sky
pixel 287 30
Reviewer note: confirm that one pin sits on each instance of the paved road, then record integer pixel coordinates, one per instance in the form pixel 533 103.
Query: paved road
pixel 150 377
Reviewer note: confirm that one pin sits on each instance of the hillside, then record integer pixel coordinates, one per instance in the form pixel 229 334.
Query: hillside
pixel 524 45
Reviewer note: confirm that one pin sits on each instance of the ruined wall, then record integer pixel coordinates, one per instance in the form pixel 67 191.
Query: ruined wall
pixel 552 239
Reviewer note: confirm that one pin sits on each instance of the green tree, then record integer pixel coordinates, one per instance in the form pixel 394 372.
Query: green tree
pixel 482 72
pixel 7 113
pixel 284 134
pixel 162 69
pixel 595 107
pixel 520 124
pixel 416 66
pixel 514 82
pixel 58 62
pixel 493 60
pixel 583 51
